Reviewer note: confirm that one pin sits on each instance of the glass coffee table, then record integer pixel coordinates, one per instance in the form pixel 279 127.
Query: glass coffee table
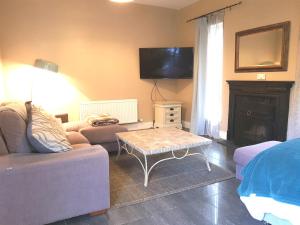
pixel 157 141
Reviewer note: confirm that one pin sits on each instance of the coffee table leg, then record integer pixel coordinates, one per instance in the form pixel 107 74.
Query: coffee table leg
pixel 146 172
pixel 119 149
pixel 145 164
pixel 206 159
pixel 207 164
pixel 130 152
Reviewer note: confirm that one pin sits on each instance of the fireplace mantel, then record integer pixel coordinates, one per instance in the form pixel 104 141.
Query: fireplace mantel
pixel 258 111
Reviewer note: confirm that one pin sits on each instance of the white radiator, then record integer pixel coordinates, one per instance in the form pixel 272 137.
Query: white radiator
pixel 124 110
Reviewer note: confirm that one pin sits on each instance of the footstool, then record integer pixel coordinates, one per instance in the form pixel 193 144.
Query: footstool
pixel 242 156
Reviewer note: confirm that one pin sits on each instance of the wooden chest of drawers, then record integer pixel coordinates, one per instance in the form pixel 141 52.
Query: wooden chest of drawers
pixel 168 114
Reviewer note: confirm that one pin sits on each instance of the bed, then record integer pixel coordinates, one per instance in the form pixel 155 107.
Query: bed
pixel 271 185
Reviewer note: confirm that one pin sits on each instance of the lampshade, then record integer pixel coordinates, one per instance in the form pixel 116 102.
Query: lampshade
pixel 47 65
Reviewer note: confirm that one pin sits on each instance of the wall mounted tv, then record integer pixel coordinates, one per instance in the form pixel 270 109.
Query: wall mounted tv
pixel 166 63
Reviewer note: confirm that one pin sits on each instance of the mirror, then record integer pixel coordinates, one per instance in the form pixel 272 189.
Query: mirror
pixel 263 49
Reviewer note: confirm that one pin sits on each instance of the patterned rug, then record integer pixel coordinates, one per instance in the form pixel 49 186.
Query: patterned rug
pixel 169 177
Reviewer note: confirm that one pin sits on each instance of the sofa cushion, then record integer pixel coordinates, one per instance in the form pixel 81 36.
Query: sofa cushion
pixel 18 107
pixel 244 155
pixel 3 149
pixel 98 135
pixel 76 138
pixel 45 133
pixel 13 117
pixel 80 146
pixel 74 125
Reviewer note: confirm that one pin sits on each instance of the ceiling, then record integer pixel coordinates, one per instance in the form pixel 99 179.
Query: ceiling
pixel 173 4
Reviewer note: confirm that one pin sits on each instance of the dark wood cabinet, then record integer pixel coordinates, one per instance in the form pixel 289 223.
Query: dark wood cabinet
pixel 258 111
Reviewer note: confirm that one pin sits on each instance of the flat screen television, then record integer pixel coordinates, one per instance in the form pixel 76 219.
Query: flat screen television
pixel 166 63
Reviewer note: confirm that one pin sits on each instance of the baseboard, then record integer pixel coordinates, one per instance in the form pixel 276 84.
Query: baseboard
pixel 148 125
pixel 139 125
pixel 186 124
pixel 223 134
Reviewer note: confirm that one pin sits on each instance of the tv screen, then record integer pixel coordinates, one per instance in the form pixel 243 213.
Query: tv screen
pixel 166 63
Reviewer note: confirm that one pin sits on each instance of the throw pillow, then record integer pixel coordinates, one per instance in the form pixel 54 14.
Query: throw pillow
pixel 44 133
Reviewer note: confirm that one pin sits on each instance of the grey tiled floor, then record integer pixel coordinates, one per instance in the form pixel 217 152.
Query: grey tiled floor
pixel 216 204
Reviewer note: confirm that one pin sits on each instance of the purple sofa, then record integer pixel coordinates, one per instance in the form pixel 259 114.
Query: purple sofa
pixel 242 156
pixel 102 135
pixel 37 189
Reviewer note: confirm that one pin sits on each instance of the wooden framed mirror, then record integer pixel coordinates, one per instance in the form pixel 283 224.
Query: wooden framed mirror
pixel 263 49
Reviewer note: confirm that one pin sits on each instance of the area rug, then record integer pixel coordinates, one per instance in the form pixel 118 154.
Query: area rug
pixel 169 177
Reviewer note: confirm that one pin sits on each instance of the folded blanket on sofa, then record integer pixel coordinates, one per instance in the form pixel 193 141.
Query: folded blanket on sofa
pixel 274 173
pixel 102 120
pixel 105 122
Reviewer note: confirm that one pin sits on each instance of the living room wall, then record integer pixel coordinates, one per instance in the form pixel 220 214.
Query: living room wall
pixel 1 78
pixel 96 46
pixel 95 43
pixel 1 74
pixel 251 14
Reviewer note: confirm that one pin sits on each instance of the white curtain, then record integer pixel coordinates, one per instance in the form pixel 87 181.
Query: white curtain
pixel 197 117
pixel 208 76
pixel 294 115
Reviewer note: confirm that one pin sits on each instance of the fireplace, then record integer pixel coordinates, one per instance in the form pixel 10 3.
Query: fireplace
pixel 258 111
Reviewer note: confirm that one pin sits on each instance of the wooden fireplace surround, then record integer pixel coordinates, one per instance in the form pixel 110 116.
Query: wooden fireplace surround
pixel 258 111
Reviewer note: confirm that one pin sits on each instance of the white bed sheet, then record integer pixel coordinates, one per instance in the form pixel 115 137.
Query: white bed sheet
pixel 259 206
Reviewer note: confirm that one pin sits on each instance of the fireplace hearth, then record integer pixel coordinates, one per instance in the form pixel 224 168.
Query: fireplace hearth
pixel 258 111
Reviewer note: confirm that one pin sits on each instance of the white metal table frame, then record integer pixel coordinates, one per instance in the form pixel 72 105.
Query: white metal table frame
pixel 145 165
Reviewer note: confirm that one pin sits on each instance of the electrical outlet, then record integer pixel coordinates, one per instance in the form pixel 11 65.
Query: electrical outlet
pixel 261 76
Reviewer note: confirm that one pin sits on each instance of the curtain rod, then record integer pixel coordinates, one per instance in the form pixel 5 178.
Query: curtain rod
pixel 227 7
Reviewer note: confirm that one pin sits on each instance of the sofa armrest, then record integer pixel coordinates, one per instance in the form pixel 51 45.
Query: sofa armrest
pixel 76 138
pixel 102 134
pixel 43 188
pixel 19 161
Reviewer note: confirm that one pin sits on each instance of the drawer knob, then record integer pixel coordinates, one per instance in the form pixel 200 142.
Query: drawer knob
pixel 172 109
pixel 249 113
pixel 172 114
pixel 171 121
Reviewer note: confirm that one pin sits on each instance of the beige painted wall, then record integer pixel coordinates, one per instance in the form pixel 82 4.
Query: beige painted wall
pixel 251 14
pixel 96 46
pixel 1 61
pixel 1 79
pixel 1 73
pixel 94 42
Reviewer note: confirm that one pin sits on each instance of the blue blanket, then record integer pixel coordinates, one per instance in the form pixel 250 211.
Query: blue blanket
pixel 274 173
